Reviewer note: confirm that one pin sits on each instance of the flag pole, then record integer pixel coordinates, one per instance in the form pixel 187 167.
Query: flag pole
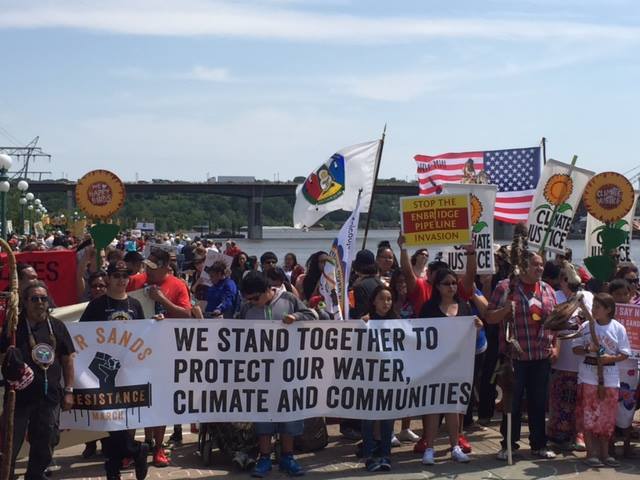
pixel 544 150
pixel 373 187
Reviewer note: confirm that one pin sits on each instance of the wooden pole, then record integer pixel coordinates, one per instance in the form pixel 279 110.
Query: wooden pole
pixel 373 187
pixel 544 150
pixel 10 399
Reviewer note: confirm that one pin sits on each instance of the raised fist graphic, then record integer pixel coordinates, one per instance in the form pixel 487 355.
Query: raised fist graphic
pixel 105 368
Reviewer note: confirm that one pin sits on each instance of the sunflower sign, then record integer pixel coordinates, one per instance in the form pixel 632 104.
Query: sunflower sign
pixel 609 198
pixel 554 205
pixel 482 200
pixel 595 230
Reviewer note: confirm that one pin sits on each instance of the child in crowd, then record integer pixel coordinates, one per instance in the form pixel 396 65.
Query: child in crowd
pixel 381 308
pixel 622 292
pixel 596 416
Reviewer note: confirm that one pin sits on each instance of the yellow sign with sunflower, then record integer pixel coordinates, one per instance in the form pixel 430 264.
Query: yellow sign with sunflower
pixel 608 196
pixel 100 194
pixel 555 202
pixel 482 199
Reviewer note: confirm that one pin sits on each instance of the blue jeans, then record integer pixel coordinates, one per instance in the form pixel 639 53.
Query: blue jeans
pixel 368 443
pixel 531 377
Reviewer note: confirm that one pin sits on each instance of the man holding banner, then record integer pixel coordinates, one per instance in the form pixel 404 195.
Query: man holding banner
pixel 266 303
pixel 117 305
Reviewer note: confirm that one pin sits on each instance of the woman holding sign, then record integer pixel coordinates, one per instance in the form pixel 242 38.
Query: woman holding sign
pixel 444 302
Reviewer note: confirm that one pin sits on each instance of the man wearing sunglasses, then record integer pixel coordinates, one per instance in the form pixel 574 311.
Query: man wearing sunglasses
pixel 263 302
pixel 172 300
pixel 115 304
pixel 38 367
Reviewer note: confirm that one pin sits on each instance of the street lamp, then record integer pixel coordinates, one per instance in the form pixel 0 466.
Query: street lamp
pixel 5 165
pixel 23 185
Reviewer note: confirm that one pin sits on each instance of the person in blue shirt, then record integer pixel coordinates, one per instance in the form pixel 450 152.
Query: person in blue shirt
pixel 223 292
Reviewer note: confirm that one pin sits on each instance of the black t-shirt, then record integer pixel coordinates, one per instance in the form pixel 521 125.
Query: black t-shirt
pixel 64 346
pixel 432 310
pixel 107 308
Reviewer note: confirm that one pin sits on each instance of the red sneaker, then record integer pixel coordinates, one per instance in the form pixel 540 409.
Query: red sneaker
pixel 127 463
pixel 420 446
pixel 160 458
pixel 464 444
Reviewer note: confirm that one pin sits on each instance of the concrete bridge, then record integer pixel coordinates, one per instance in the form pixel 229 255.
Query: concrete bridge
pixel 254 192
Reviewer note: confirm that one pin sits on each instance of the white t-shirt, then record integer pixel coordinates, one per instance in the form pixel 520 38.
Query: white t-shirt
pixel 567 360
pixel 613 337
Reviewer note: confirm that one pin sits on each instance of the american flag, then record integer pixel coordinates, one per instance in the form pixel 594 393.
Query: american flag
pixel 516 173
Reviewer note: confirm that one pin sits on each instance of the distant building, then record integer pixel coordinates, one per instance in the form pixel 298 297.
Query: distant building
pixel 232 179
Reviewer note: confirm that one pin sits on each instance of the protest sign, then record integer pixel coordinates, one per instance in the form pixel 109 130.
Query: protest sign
pixel 594 238
pixel 557 197
pixel 629 316
pixel 482 200
pixel 435 220
pixel 100 194
pixel 213 257
pixel 56 268
pixel 132 374
pixel 146 227
pixel 342 252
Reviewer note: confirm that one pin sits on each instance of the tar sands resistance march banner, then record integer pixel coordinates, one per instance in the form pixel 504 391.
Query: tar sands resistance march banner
pixel 132 374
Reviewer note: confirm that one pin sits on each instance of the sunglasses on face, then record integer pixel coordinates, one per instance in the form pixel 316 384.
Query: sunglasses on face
pixel 39 299
pixel 98 285
pixel 119 275
pixel 633 280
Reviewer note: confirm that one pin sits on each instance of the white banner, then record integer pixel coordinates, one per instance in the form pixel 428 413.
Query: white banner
pixel 140 373
pixel 593 237
pixel 559 189
pixel 481 204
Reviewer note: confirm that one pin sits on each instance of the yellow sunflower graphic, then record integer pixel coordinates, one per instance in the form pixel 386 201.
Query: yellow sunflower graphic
pixel 476 209
pixel 558 189
pixel 100 194
pixel 608 196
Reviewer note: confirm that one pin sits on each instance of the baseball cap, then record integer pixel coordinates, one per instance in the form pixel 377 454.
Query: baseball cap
pixel 117 266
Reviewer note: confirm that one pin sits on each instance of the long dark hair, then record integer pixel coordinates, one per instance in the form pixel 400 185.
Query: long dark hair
pixel 235 263
pixel 312 275
pixel 391 314
pixel 393 283
pixel 436 298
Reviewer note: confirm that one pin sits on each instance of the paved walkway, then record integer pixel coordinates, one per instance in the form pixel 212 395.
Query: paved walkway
pixel 338 461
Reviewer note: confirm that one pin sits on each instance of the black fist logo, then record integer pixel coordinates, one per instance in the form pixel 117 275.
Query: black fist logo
pixel 105 368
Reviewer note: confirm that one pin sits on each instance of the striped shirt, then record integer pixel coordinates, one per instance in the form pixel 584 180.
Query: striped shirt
pixel 533 338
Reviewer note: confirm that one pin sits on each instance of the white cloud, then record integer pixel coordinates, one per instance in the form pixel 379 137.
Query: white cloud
pixel 198 72
pixel 234 19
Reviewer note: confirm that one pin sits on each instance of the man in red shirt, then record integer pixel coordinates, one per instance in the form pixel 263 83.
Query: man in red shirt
pixel 171 297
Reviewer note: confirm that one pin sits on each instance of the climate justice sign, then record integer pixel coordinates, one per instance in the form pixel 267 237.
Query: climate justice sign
pixel 139 373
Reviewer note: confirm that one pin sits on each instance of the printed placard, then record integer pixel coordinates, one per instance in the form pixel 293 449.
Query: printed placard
pixel 593 238
pixel 629 315
pixel 554 204
pixel 435 220
pixel 482 200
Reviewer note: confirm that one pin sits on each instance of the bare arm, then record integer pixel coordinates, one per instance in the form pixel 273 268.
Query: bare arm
pixel 405 265
pixel 68 374
pixel 468 280
pixel 498 315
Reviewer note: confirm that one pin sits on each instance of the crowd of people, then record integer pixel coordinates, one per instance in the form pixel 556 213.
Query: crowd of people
pixel 579 388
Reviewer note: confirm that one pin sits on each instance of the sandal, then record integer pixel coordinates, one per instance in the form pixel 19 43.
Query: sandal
pixel 611 462
pixel 593 462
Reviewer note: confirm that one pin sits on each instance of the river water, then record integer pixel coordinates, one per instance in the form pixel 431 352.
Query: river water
pixel 281 240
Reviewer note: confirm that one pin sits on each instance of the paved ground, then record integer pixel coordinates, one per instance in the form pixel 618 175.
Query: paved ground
pixel 338 461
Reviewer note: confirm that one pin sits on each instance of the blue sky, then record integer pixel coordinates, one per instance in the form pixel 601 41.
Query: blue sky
pixel 181 89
